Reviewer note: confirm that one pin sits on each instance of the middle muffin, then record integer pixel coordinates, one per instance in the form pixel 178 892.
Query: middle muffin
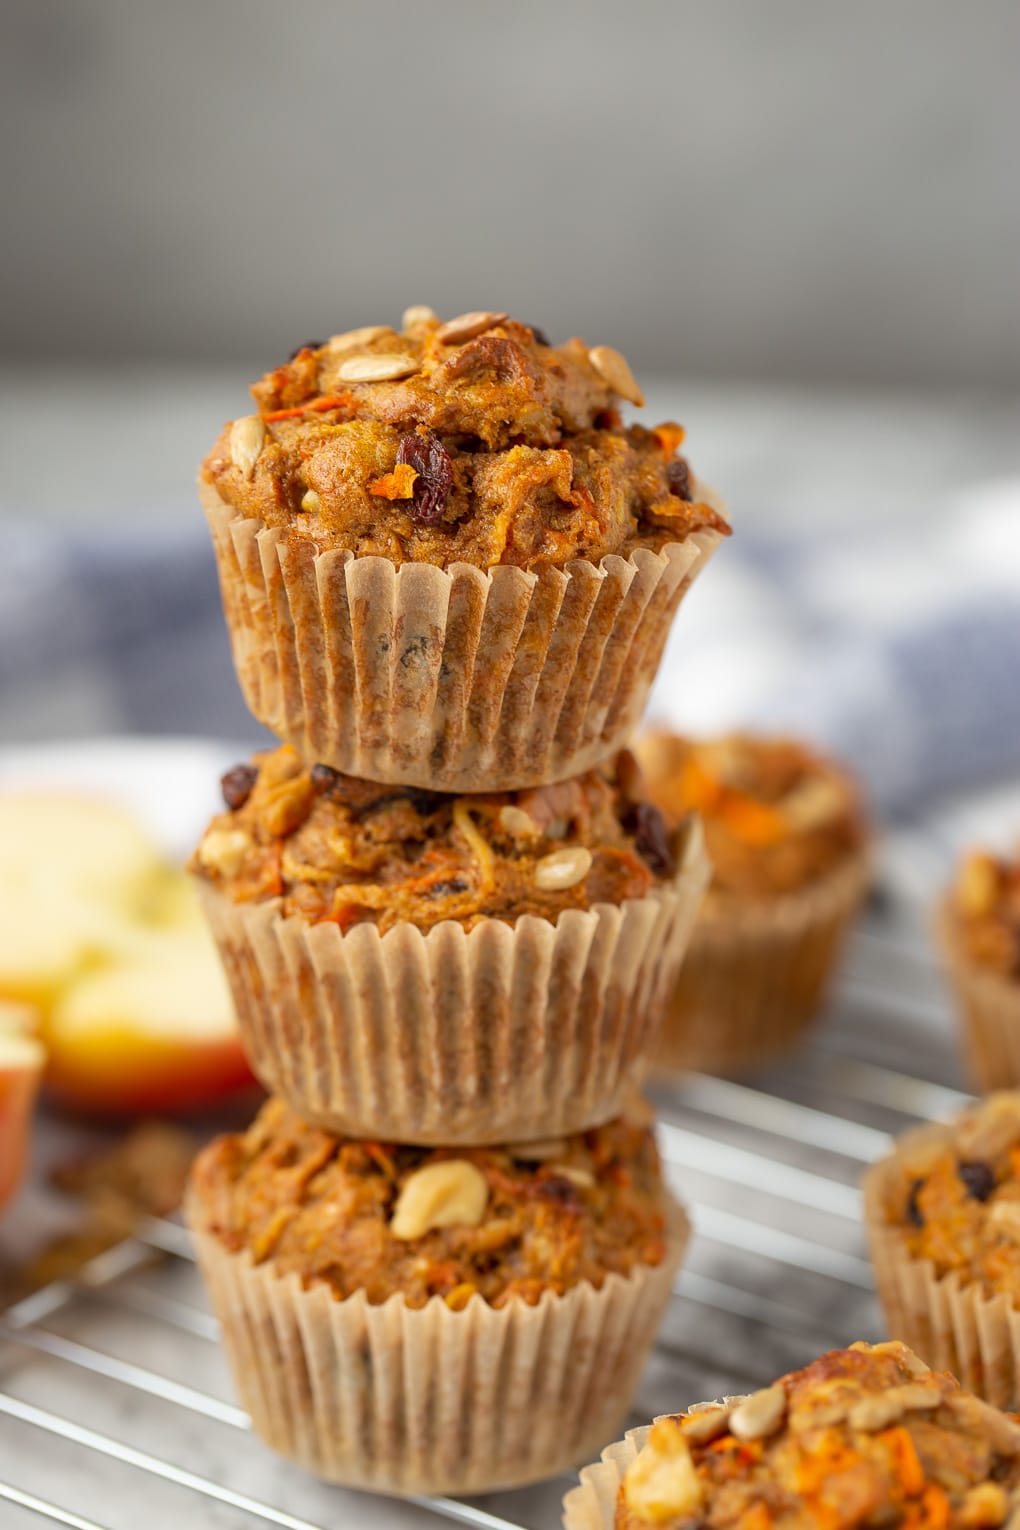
pixel 441 969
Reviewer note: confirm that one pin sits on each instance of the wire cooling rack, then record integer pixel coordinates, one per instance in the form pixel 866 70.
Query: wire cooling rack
pixel 115 1401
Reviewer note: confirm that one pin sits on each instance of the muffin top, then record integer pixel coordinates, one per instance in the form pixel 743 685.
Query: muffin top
pixel 338 848
pixel 984 906
pixel 865 1436
pixel 502 1222
pixel 956 1198
pixel 474 441
pixel 776 814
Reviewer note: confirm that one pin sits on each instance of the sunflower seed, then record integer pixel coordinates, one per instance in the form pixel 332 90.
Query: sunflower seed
pixel 467 325
pixel 613 369
pixel 247 437
pixel 376 368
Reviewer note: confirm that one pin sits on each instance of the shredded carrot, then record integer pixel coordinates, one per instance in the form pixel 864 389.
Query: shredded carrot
pixel 753 822
pixel 316 406
pixel 669 436
pixel 931 1512
pixel 396 485
pixel 905 1460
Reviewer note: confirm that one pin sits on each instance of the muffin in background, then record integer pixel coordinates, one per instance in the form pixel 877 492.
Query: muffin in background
pixel 864 1436
pixel 789 848
pixel 444 559
pixel 943 1218
pixel 978 926
pixel 430 968
pixel 434 1320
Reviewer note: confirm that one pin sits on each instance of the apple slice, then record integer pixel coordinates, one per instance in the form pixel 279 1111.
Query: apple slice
pixel 55 843
pixel 152 1030
pixel 21 1065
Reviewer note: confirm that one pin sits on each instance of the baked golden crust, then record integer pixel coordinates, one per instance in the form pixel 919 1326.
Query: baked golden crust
pixel 984 911
pixel 865 1436
pixel 337 848
pixel 491 449
pixel 956 1202
pixel 777 815
pixel 380 1218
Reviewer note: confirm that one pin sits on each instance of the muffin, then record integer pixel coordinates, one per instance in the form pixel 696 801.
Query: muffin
pixel 943 1218
pixel 418 1320
pixel 979 932
pixel 447 969
pixel 864 1436
pixel 788 845
pixel 444 559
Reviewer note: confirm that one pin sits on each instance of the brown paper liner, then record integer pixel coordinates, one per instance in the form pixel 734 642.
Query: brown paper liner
pixel 504 1033
pixel 426 1400
pixel 592 1504
pixel 953 1326
pixel 453 679
pixel 756 973
pixel 989 1011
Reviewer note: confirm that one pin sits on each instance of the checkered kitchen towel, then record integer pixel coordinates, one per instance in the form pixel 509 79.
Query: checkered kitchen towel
pixel 904 658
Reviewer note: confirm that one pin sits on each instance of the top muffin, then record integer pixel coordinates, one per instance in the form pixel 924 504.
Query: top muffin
pixel 474 441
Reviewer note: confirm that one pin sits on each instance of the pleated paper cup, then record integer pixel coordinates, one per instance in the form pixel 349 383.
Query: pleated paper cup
pixel 951 1324
pixel 427 1400
pixel 989 1010
pixel 592 1504
pixel 503 1033
pixel 756 972
pixel 454 679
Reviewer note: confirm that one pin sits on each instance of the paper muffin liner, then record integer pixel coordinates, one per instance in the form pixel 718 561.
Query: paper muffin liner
pixel 592 1504
pixel 989 1010
pixel 951 1324
pixel 454 679
pixel 427 1400
pixel 756 972
pixel 504 1033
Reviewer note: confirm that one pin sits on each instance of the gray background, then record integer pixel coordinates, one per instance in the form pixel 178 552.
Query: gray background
pixel 791 189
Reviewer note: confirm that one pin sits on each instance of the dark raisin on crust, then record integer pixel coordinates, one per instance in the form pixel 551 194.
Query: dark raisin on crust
pixel 453 885
pixel 978 1178
pixel 678 476
pixel 914 1214
pixel 324 778
pixel 431 461
pixel 237 784
pixel 651 840
pixel 309 345
pixel 539 335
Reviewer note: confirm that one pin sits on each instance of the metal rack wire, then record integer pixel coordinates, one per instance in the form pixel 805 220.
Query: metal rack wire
pixel 116 1403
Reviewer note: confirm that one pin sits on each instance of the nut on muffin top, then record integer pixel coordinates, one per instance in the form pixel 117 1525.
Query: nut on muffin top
pixel 379 1218
pixel 984 909
pixel 777 815
pixel 956 1200
pixel 333 847
pixel 862 1437
pixel 473 441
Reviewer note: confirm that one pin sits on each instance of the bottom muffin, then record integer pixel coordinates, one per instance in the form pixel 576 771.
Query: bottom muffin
pixel 422 1320
pixel 865 1436
pixel 943 1219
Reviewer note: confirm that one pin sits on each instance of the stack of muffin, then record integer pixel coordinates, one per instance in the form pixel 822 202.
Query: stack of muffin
pixel 447 911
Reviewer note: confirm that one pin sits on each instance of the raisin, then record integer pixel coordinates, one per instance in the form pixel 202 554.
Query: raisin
pixel 651 840
pixel 324 778
pixel 609 419
pixel 914 1214
pixel 978 1179
pixel 453 885
pixel 431 461
pixel 309 345
pixel 237 784
pixel 539 335
pixel 424 802
pixel 678 476
pixel 558 1190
